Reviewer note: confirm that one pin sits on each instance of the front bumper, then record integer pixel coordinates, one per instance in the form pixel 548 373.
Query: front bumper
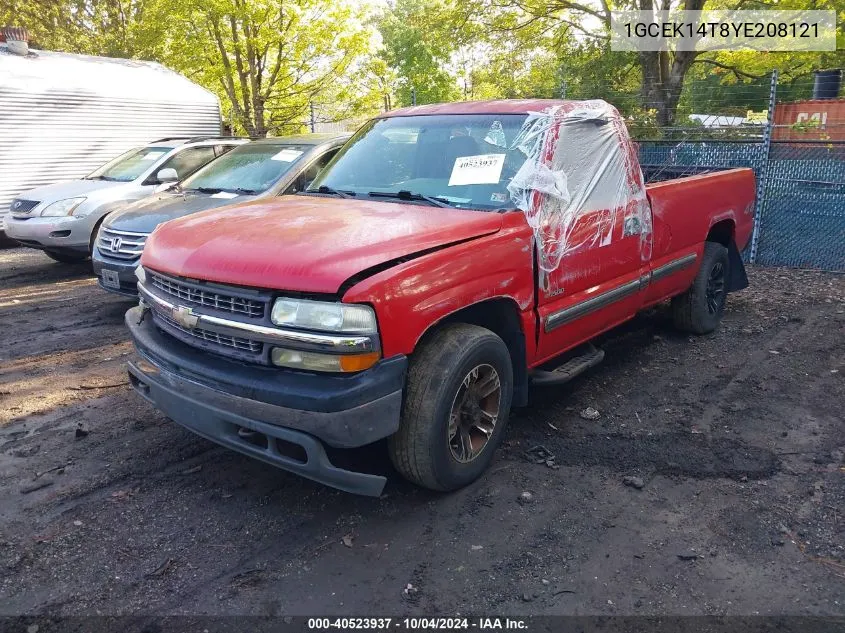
pixel 58 233
pixel 228 402
pixel 125 271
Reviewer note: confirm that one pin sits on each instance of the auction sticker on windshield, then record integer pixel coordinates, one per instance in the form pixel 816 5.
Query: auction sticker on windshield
pixel 287 155
pixel 484 169
pixel 151 155
pixel 225 195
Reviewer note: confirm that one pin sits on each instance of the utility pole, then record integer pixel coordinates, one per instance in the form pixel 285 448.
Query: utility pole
pixel 413 95
pixel 313 118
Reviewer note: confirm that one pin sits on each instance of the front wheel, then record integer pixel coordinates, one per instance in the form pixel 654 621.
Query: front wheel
pixel 700 308
pixel 66 257
pixel 458 398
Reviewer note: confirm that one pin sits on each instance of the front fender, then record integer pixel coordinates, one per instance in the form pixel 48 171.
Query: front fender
pixel 411 297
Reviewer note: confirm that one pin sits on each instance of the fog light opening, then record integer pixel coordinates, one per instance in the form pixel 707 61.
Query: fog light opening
pixel 290 450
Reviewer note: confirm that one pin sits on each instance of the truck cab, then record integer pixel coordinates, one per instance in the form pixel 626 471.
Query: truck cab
pixel 446 259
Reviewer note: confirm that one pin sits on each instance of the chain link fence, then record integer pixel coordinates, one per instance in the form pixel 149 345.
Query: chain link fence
pixel 796 146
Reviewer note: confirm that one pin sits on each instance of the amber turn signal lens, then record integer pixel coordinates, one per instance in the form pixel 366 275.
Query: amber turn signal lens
pixel 312 361
pixel 358 362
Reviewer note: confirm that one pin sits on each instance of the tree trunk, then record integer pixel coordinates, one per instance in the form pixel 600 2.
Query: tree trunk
pixel 663 81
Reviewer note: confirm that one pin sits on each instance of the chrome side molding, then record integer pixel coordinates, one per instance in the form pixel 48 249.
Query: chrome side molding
pixel 566 315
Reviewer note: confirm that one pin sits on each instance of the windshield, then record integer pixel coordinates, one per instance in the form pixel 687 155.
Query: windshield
pixel 463 160
pixel 250 168
pixel 129 166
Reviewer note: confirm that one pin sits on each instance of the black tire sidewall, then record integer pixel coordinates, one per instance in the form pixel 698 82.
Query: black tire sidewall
pixel 713 254
pixel 450 473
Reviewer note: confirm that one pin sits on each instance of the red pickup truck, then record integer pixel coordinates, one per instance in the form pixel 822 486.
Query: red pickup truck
pixel 449 257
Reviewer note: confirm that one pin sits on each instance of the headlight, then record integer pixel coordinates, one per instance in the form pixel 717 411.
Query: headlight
pixel 324 316
pixel 61 207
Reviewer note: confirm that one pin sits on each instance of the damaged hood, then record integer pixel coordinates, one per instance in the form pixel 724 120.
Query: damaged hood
pixel 305 243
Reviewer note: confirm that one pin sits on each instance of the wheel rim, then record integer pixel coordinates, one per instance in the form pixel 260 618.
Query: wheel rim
pixel 716 288
pixel 474 414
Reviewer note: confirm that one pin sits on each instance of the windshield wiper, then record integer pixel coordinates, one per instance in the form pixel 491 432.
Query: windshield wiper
pixel 206 189
pixel 408 195
pixel 246 192
pixel 332 192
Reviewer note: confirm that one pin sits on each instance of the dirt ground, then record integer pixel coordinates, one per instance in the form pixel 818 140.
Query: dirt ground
pixel 106 507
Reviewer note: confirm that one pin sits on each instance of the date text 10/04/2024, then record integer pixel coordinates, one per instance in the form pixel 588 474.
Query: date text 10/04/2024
pixel 417 624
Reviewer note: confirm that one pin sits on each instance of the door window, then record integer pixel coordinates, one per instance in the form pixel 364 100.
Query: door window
pixel 186 162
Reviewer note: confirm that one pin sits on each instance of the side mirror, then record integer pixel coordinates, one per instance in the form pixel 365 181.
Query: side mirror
pixel 168 174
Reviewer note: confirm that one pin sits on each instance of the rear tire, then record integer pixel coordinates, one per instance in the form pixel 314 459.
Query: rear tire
pixel 458 398
pixel 700 308
pixel 65 257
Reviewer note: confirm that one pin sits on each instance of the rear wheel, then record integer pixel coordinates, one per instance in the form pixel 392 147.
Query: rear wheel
pixel 66 257
pixel 458 398
pixel 700 308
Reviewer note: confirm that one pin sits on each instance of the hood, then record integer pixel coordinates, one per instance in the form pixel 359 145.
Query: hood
pixel 70 189
pixel 305 243
pixel 145 215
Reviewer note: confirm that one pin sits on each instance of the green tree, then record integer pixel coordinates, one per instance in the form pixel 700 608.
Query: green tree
pixel 583 33
pixel 93 27
pixel 418 47
pixel 268 59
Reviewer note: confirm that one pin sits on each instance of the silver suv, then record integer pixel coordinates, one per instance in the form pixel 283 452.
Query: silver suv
pixel 261 169
pixel 62 219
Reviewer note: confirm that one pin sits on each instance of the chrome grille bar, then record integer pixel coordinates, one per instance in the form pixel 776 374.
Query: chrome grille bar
pixel 216 300
pixel 236 342
pixel 331 343
pixel 127 245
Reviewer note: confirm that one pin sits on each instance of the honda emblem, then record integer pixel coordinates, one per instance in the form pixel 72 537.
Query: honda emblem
pixel 116 243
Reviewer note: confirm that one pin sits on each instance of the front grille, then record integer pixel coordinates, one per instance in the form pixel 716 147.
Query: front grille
pixel 123 245
pixel 209 298
pixel 236 342
pixel 19 205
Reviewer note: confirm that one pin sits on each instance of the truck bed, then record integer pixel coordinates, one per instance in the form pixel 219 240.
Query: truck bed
pixel 685 209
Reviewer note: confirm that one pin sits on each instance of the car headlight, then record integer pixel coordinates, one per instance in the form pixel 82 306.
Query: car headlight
pixel 329 317
pixel 61 207
pixel 324 316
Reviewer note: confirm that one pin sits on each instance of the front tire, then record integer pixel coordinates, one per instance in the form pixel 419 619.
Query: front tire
pixel 458 399
pixel 700 308
pixel 65 257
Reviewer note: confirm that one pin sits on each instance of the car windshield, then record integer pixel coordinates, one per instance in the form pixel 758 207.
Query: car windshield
pixel 129 166
pixel 250 168
pixel 463 161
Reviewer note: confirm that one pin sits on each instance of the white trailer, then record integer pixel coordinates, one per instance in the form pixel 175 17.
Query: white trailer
pixel 64 115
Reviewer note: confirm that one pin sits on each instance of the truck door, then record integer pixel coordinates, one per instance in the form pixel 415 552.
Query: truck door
pixel 600 277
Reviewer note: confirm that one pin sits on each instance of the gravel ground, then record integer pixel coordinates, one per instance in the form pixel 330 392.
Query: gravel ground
pixel 713 481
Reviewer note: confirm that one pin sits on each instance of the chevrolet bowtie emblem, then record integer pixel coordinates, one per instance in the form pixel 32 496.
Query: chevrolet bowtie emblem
pixel 185 317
